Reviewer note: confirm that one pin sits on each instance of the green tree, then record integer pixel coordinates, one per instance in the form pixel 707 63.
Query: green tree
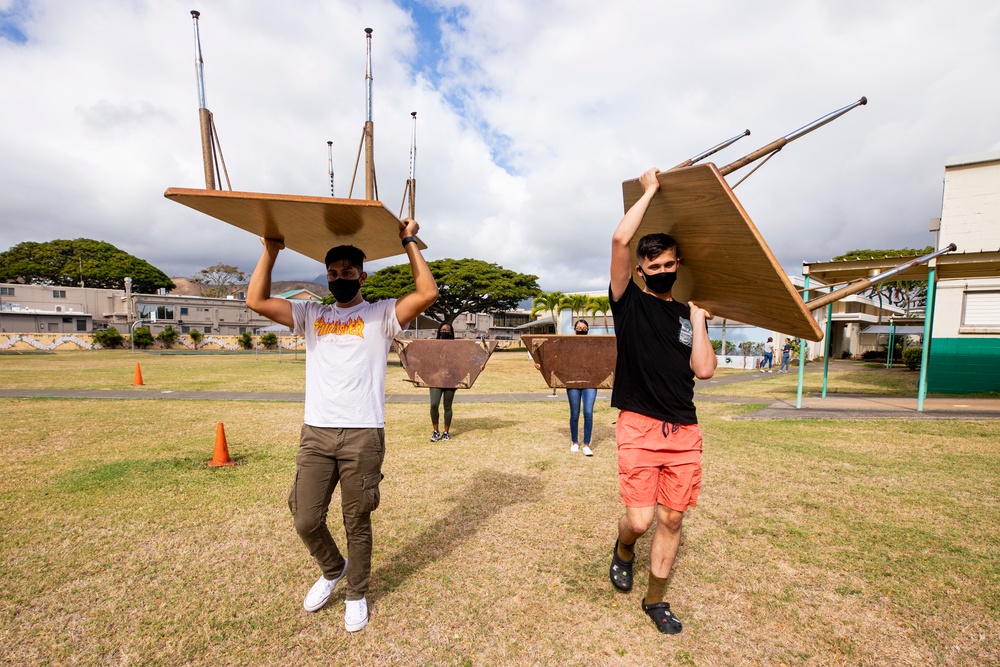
pixel 464 286
pixel 269 340
pixel 142 337
pixel 548 301
pixel 195 335
pixel 109 338
pixel 68 263
pixel 245 340
pixel 906 294
pixel 219 280
pixel 576 303
pixel 167 337
pixel 602 305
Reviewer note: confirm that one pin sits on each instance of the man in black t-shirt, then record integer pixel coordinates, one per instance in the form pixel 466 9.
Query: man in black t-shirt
pixel 662 346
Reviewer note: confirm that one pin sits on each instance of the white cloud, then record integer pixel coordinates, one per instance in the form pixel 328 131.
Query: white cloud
pixel 524 136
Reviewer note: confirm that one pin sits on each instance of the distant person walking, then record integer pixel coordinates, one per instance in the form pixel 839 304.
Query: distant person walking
pixel 786 356
pixel 444 332
pixel 586 396
pixel 768 359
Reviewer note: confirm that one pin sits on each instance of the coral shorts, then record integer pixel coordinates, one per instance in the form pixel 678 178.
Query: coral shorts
pixel 658 462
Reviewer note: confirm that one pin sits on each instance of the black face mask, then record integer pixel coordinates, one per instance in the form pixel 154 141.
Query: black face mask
pixel 582 332
pixel 661 283
pixel 446 335
pixel 344 290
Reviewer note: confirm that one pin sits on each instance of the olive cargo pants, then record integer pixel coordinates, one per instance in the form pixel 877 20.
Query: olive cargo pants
pixel 353 457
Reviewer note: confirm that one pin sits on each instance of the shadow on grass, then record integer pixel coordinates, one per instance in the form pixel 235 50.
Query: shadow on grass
pixel 157 473
pixel 461 425
pixel 489 493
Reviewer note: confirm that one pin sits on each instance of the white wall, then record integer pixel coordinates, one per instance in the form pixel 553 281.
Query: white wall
pixel 970 218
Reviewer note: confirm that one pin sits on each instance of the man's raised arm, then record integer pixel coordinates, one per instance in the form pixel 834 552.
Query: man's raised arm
pixel 621 256
pixel 425 293
pixel 259 298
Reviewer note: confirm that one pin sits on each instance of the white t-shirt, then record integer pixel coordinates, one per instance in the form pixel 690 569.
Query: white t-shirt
pixel 769 347
pixel 346 353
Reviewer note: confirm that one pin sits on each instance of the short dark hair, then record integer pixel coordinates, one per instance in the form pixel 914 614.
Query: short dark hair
pixel 654 245
pixel 583 322
pixel 354 256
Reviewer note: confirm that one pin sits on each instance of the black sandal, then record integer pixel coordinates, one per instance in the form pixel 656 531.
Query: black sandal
pixel 663 618
pixel 620 571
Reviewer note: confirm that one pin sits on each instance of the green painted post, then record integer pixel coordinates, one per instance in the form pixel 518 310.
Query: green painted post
pixel 925 353
pixel 826 344
pixel 802 351
pixel 892 343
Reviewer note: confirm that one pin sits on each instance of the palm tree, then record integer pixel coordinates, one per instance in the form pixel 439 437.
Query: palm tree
pixel 600 304
pixel 576 303
pixel 551 302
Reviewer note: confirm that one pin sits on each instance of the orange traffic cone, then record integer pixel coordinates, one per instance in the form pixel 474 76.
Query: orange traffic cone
pixel 221 455
pixel 137 380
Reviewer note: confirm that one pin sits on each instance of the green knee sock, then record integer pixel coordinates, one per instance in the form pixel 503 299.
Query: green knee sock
pixel 656 590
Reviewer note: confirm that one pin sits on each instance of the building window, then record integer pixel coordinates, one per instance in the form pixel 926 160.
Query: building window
pixel 184 311
pixel 208 330
pixel 67 320
pixel 509 319
pixel 81 325
pixel 185 328
pixel 6 291
pixel 58 294
pixel 981 309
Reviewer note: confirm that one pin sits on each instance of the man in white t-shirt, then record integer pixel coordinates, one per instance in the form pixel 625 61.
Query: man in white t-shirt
pixel 343 437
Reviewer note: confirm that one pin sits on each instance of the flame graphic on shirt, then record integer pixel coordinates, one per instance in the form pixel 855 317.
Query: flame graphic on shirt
pixel 352 327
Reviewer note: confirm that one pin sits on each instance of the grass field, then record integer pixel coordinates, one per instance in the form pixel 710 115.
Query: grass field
pixel 814 542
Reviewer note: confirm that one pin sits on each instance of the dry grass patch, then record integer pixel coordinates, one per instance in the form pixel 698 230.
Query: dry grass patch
pixel 161 371
pixel 507 372
pixel 814 543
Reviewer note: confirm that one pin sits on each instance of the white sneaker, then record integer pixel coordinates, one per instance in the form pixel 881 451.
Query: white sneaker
pixel 319 594
pixel 355 615
pixel 587 451
pixel 574 447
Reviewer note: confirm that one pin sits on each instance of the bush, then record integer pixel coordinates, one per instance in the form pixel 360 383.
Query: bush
pixel 245 340
pixel 269 340
pixel 108 338
pixel 142 337
pixel 195 335
pixel 167 336
pixel 911 357
pixel 873 355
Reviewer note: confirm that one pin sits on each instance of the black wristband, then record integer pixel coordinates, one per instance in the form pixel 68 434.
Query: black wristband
pixel 409 239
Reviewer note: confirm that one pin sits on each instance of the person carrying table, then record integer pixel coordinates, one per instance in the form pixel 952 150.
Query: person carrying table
pixel 444 332
pixel 343 437
pixel 662 346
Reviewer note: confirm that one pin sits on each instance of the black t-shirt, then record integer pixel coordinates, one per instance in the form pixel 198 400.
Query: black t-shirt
pixel 653 373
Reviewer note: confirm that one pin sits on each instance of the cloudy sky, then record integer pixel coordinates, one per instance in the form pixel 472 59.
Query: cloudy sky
pixel 530 115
